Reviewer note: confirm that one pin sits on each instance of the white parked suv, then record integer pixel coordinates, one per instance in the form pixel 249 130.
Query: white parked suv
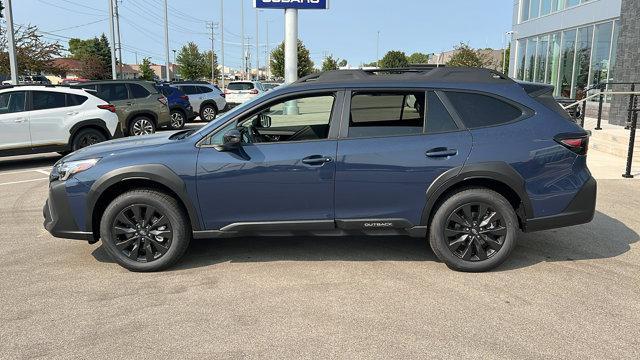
pixel 206 99
pixel 238 92
pixel 36 119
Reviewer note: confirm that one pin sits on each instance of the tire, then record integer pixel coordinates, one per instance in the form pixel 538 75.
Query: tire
pixel 459 238
pixel 178 119
pixel 167 222
pixel 141 125
pixel 208 112
pixel 86 137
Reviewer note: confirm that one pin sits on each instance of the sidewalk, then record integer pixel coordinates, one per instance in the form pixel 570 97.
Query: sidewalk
pixel 607 166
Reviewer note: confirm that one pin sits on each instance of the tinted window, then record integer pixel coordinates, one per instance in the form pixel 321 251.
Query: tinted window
pixel 477 110
pixel 189 89
pixel 12 102
pixel 137 91
pixel 438 118
pixel 113 92
pixel 204 89
pixel 75 100
pixel 165 90
pixel 386 114
pixel 240 86
pixel 47 100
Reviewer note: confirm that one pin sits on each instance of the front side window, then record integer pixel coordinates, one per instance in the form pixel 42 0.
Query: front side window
pixel 386 114
pixel 113 92
pixel 47 100
pixel 12 102
pixel 478 110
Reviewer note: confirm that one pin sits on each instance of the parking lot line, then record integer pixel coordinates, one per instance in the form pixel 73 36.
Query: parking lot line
pixel 22 181
pixel 40 170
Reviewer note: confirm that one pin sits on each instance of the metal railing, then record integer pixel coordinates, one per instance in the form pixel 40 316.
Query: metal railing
pixel 632 114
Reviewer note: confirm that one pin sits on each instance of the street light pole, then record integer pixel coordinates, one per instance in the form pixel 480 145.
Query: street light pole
pixel 222 40
pixel 242 53
pixel 166 38
pixel 257 47
pixel 378 50
pixel 11 42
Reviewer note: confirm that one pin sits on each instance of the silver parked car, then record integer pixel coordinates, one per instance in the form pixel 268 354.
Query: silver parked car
pixel 207 100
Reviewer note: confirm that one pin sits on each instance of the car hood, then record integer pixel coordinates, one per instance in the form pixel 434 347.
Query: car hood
pixel 133 143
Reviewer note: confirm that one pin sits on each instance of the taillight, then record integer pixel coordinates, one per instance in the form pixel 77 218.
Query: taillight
pixel 163 100
pixel 184 97
pixel 223 95
pixel 109 107
pixel 578 143
pixel 253 92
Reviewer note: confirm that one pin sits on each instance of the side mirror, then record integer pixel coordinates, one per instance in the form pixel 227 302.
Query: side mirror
pixel 232 139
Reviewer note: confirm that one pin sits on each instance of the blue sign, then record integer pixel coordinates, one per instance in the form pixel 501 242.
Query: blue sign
pixel 292 4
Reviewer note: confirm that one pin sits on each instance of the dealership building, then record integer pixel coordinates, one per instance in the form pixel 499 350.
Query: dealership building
pixel 574 44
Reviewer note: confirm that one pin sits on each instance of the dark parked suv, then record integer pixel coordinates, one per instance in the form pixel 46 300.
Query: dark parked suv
pixel 465 158
pixel 141 108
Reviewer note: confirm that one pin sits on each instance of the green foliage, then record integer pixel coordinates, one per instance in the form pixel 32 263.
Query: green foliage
pixel 418 58
pixel 465 56
pixel 34 55
pixel 207 74
pixel 504 66
pixel 95 55
pixel 305 65
pixel 146 73
pixel 193 63
pixel 394 59
pixel 329 63
pixel 342 63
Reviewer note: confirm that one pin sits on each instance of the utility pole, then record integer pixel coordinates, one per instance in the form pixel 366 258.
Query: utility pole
pixel 114 74
pixel 268 50
pixel 244 65
pixel 378 50
pixel 11 42
pixel 117 30
pixel 257 48
pixel 211 26
pixel 166 38
pixel 222 39
pixel 247 58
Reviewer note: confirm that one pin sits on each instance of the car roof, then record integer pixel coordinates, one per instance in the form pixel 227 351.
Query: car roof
pixel 54 88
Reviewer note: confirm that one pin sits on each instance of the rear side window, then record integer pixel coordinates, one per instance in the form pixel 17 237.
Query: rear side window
pixel 138 91
pixel 12 102
pixel 438 118
pixel 189 89
pixel 386 114
pixel 75 100
pixel 113 92
pixel 477 110
pixel 204 89
pixel 240 86
pixel 47 100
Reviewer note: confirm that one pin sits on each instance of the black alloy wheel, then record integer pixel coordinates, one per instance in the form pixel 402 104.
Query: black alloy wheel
pixel 475 231
pixel 142 233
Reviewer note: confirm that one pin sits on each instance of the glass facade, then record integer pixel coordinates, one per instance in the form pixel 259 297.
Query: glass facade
pixel 572 60
pixel 531 9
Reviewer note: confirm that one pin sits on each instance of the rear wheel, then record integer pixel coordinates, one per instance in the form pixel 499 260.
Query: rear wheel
pixel 145 230
pixel 474 230
pixel 86 137
pixel 208 112
pixel 141 125
pixel 178 119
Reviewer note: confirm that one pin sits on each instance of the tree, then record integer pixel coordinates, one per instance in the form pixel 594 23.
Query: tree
pixel 394 59
pixel 342 63
pixel 146 73
pixel 34 55
pixel 329 63
pixel 418 58
pixel 95 56
pixel 305 65
pixel 207 55
pixel 504 65
pixel 465 56
pixel 193 63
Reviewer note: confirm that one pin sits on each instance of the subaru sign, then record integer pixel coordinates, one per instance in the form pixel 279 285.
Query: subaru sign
pixel 292 4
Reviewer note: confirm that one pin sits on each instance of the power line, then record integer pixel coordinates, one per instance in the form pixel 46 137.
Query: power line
pixel 82 5
pixel 77 26
pixel 67 9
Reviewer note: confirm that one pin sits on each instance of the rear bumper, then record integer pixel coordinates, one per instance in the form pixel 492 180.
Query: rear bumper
pixel 580 211
pixel 57 215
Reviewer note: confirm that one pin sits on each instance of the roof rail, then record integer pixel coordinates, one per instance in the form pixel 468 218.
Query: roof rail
pixel 190 82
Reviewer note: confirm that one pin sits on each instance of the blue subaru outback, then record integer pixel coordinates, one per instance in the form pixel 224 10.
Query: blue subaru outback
pixel 466 158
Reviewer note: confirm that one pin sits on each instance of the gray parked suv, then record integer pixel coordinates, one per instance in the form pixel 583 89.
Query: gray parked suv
pixel 207 100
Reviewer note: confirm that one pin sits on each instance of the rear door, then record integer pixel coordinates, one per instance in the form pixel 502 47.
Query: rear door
pixel 118 95
pixel 48 118
pixel 195 97
pixel 392 146
pixel 14 120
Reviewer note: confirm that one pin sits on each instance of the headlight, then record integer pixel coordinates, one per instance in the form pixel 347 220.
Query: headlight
pixel 66 169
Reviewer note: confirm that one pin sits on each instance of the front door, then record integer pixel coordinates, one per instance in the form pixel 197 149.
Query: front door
pixel 393 146
pixel 14 121
pixel 282 176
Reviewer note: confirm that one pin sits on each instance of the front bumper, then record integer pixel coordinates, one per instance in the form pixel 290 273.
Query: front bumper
pixel 57 215
pixel 580 211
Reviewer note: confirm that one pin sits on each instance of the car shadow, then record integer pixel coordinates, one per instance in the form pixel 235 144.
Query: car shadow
pixel 28 161
pixel 605 237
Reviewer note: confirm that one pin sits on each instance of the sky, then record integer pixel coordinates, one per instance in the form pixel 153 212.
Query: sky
pixel 348 30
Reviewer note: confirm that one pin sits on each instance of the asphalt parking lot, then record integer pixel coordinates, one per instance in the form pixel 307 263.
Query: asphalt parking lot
pixel 568 293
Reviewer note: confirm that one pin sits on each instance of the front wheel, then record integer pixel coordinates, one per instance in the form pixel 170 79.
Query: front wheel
pixel 145 230
pixel 177 119
pixel 208 112
pixel 474 230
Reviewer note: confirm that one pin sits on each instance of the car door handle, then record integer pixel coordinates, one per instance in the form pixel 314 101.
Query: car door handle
pixel 316 160
pixel 73 113
pixel 129 103
pixel 20 120
pixel 441 152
